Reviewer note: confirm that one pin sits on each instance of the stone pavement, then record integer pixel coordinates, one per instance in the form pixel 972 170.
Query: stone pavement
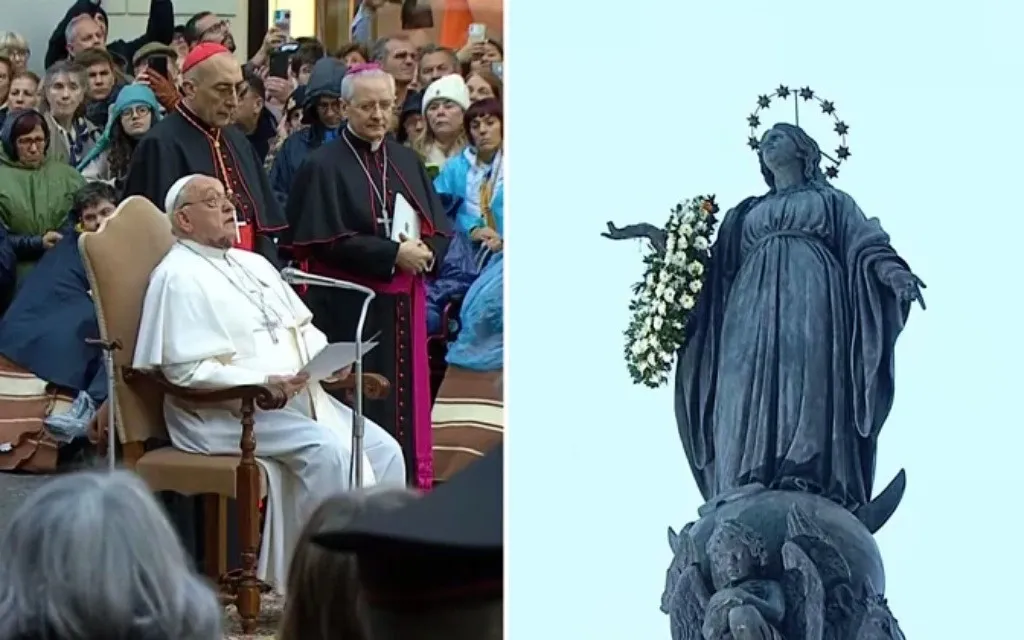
pixel 13 490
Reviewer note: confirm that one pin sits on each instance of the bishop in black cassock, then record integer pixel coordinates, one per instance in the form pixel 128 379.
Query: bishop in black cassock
pixel 186 143
pixel 339 215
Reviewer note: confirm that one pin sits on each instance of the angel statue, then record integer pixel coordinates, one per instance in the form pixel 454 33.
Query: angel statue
pixel 744 606
pixel 787 373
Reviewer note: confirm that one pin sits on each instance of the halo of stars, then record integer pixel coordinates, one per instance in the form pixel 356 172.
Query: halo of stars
pixel 804 94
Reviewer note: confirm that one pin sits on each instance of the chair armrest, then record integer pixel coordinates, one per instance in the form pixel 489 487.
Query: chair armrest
pixel 267 397
pixel 375 386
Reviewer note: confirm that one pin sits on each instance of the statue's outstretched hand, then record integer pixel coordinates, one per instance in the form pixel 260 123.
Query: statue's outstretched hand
pixel 908 287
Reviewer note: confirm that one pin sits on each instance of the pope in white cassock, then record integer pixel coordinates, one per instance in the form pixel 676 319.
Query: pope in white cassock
pixel 216 317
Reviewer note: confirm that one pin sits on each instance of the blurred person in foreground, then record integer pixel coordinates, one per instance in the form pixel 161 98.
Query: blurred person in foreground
pixel 90 556
pixel 215 317
pixel 198 137
pixel 323 586
pixel 340 211
pixel 433 568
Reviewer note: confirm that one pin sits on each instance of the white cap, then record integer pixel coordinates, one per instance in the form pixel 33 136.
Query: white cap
pixel 451 87
pixel 175 191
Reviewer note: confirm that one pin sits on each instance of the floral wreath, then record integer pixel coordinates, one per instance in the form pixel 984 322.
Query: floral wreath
pixel 667 295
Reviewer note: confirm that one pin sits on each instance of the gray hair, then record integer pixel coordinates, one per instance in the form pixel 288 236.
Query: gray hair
pixel 430 48
pixel 64 68
pixel 69 31
pixel 348 83
pixel 91 556
pixel 379 51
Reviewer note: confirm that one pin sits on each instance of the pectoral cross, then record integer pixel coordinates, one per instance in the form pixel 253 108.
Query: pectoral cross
pixel 270 327
pixel 385 220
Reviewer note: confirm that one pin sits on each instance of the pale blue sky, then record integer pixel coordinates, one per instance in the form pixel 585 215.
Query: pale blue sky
pixel 616 117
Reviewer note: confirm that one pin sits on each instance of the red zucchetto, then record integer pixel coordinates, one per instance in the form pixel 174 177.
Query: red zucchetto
pixel 201 54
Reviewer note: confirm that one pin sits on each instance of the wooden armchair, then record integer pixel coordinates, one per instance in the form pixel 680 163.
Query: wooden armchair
pixel 119 259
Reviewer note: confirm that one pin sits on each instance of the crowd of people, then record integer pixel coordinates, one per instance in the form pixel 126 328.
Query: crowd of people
pixel 379 164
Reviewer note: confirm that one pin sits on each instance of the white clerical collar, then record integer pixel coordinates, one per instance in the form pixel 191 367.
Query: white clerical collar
pixel 373 145
pixel 204 250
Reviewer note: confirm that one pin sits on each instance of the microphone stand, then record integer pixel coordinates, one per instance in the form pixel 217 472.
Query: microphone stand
pixel 294 276
pixel 109 347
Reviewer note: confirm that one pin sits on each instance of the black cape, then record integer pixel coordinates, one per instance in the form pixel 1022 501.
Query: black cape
pixel 51 317
pixel 180 145
pixel 334 225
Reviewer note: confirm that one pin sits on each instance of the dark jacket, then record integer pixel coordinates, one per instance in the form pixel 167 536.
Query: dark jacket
pixel 460 267
pixel 46 327
pixel 324 81
pixel 8 269
pixel 263 136
pixel 159 28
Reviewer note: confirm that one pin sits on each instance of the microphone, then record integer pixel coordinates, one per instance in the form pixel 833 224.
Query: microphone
pixel 294 276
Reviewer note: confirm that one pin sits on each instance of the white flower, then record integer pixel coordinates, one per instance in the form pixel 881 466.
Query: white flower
pixel 669 294
pixel 700 227
pixel 687 302
pixel 642 366
pixel 638 347
pixel 695 286
pixel 650 279
pixel 659 290
pixel 695 268
pixel 700 243
pixel 667 357
pixel 684 243
pixel 662 308
pixel 658 323
pixel 685 230
pixel 651 360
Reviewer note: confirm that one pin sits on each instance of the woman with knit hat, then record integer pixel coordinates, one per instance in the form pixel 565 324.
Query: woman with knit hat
pixel 444 106
pixel 134 112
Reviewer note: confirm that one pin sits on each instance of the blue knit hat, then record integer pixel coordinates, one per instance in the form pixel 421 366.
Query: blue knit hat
pixel 130 96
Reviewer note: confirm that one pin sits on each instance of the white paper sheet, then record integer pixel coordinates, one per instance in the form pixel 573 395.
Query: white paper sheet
pixel 333 358
pixel 405 222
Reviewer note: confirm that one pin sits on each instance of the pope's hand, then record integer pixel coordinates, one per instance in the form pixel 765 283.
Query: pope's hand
pixel 292 385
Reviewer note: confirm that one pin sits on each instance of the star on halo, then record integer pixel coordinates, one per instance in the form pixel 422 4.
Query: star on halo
pixel 764 101
pixel 783 91
pixel 843 152
pixel 828 107
pixel 841 128
pixel 753 143
pixel 806 93
pixel 832 172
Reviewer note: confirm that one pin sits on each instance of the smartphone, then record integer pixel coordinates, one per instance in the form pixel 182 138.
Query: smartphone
pixel 159 65
pixel 477 33
pixel 279 59
pixel 283 20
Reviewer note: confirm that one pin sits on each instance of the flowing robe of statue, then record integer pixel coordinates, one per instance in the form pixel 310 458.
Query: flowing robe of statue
pixel 787 374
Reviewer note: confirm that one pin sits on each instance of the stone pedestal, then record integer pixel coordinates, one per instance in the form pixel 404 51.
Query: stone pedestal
pixel 774 565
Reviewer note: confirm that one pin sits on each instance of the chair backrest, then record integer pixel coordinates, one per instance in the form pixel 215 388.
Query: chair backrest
pixel 119 259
